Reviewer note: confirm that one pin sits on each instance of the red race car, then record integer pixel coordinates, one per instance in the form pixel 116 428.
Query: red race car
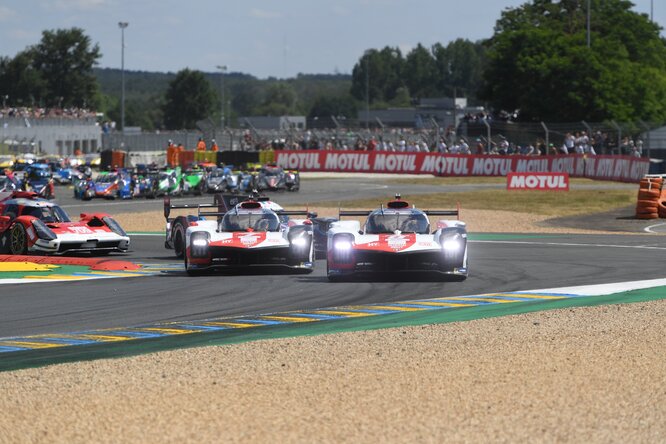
pixel 29 224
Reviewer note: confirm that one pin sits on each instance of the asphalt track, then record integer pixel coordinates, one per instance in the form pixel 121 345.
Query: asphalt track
pixel 498 263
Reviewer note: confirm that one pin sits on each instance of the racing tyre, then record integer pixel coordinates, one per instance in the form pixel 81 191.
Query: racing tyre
pixel 18 240
pixel 178 234
pixel 192 272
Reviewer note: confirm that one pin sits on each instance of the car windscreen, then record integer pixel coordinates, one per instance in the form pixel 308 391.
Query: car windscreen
pixel 106 178
pixel 50 214
pixel 390 221
pixel 217 173
pixel 257 221
pixel 272 171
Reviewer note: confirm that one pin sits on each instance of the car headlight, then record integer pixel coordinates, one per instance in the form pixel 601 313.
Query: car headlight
pixel 43 232
pixel 299 241
pixel 342 245
pixel 199 242
pixel 114 226
pixel 452 244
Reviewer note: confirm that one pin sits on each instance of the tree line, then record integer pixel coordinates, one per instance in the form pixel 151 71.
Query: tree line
pixel 539 64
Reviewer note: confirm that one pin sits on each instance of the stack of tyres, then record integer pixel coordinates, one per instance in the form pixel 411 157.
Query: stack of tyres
pixel 649 198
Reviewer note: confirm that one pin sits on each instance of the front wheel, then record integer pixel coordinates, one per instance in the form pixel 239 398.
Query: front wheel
pixel 18 240
pixel 179 239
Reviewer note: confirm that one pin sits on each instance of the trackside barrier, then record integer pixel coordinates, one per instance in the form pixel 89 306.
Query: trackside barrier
pixel 615 168
pixel 205 156
pixel 651 202
pixel 267 156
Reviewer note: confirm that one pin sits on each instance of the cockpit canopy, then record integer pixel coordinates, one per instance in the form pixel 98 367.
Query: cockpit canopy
pixel 262 220
pixel 390 221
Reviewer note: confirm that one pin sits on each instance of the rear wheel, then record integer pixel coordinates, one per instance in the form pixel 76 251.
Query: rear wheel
pixel 18 240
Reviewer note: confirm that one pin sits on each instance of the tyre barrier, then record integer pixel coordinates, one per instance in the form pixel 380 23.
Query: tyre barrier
pixel 651 203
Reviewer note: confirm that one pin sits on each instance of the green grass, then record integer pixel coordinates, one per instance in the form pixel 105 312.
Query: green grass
pixel 547 203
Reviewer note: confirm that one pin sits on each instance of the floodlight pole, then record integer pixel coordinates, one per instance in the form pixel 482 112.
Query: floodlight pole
pixel 222 69
pixel 122 26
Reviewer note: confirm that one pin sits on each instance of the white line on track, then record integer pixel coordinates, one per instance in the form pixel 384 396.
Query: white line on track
pixel 649 229
pixel 569 244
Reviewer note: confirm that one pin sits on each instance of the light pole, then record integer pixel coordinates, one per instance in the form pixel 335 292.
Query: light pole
pixel 367 91
pixel 122 26
pixel 222 69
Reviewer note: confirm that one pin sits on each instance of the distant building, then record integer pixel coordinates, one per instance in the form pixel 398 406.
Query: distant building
pixel 443 112
pixel 61 136
pixel 274 123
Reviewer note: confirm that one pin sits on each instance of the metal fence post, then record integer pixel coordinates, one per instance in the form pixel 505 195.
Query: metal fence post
pixel 545 128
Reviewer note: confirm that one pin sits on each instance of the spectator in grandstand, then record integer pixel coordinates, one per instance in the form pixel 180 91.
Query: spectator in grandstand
pixel 568 145
pixel 464 147
pixel 442 148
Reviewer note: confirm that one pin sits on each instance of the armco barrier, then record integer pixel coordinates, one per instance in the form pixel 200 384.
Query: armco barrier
pixel 616 168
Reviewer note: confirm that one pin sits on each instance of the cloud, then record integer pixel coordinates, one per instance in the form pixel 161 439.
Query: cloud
pixel 23 35
pixel 264 14
pixel 6 13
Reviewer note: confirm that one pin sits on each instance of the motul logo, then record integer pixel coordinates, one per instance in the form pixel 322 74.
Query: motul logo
pixel 538 181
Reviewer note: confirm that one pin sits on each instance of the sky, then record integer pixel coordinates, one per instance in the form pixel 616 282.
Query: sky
pixel 264 38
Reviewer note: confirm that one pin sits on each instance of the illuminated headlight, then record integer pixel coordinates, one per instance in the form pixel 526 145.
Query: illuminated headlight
pixel 451 244
pixel 299 242
pixel 114 226
pixel 342 245
pixel 199 244
pixel 43 232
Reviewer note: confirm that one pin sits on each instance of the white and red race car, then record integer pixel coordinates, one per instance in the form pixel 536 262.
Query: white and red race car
pixel 251 233
pixel 29 224
pixel 397 238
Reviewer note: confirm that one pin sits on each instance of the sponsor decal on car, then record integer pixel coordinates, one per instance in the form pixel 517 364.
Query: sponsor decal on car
pixel 389 242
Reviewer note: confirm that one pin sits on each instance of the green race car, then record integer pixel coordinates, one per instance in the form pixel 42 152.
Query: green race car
pixel 194 180
pixel 169 182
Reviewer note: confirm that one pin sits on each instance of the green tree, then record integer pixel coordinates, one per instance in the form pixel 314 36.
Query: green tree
pixel 420 72
pixel 327 106
pixel 65 59
pixel 20 82
pixel 459 65
pixel 280 100
pixel 381 72
pixel 539 62
pixel 189 98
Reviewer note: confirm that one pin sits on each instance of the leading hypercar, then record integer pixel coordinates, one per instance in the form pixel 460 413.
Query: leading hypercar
pixel 397 238
pixel 29 224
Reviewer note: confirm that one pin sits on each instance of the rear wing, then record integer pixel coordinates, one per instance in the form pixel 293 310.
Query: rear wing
pixel 221 202
pixel 351 213
pixel 307 213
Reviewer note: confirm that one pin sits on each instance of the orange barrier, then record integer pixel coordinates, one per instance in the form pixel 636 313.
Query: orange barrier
pixel 651 199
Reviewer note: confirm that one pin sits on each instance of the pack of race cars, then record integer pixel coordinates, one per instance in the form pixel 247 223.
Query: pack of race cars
pixel 239 233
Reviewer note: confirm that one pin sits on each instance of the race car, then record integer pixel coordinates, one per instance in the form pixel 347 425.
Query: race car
pixel 271 177
pixel 29 224
pixel 250 235
pixel 176 227
pixel 193 180
pixel 116 184
pixel 38 178
pixel 397 239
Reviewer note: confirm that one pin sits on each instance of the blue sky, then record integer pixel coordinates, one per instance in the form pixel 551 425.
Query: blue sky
pixel 278 38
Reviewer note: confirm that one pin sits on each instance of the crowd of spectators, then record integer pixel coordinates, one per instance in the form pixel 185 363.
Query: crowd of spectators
pixel 39 113
pixel 449 143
